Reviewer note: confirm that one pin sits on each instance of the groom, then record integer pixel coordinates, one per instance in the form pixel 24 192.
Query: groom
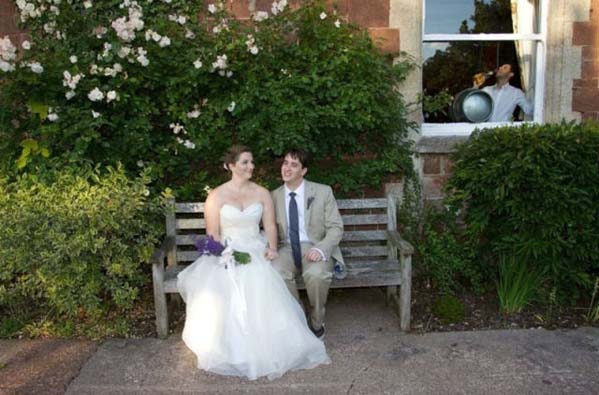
pixel 310 229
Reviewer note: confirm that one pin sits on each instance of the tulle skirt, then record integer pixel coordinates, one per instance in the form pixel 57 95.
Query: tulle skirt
pixel 242 321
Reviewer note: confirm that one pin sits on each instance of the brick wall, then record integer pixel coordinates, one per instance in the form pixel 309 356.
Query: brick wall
pixel 8 22
pixel 585 93
pixel 371 14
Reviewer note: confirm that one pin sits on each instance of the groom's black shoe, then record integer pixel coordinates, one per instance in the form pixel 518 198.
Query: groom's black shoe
pixel 319 333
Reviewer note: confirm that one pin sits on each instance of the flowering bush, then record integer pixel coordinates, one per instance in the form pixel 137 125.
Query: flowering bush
pixel 170 84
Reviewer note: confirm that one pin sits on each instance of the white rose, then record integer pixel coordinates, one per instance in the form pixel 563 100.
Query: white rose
pixel 197 64
pixel 52 117
pixel 73 59
pixel 164 42
pixel 211 8
pixel 36 67
pixel 69 95
pixel 323 15
pixel 110 96
pixel 260 16
pixel 26 45
pixel 95 95
pixel 87 4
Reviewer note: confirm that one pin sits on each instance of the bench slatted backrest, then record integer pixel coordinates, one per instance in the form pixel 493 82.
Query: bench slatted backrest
pixel 366 222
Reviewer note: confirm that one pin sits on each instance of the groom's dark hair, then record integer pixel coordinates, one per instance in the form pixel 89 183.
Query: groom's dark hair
pixel 302 156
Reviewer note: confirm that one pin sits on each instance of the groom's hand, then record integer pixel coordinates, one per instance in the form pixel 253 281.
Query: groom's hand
pixel 313 255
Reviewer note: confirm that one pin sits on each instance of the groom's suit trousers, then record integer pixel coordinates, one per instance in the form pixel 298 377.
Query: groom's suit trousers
pixel 317 279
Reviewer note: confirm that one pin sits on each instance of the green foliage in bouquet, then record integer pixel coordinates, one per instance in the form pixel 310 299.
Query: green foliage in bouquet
pixel 72 248
pixel 532 191
pixel 168 86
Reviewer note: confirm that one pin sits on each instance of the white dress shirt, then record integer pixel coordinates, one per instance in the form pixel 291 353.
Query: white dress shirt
pixel 299 199
pixel 505 100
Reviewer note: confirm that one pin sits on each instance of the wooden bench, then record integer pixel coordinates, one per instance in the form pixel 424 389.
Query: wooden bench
pixel 375 254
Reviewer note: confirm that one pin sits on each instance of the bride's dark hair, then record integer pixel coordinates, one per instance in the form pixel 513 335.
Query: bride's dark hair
pixel 233 153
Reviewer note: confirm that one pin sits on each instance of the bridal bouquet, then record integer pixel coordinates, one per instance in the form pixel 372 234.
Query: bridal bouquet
pixel 208 246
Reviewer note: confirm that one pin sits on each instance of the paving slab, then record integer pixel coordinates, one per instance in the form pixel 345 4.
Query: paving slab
pixel 41 366
pixel 370 356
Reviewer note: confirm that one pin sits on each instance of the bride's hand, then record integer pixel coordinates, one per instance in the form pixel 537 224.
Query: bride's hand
pixel 271 253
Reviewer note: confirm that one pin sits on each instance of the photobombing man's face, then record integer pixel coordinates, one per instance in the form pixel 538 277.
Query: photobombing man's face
pixel 505 71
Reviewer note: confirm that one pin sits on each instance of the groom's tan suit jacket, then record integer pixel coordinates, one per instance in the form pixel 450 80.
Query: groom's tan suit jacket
pixel 323 222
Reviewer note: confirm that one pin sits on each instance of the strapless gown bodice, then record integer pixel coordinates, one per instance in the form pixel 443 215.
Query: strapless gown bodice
pixel 241 320
pixel 238 223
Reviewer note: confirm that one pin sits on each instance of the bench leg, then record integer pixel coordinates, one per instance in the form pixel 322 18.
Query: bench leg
pixel 391 294
pixel 160 304
pixel 405 292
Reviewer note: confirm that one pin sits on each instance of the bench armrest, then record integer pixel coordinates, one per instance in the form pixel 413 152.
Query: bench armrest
pixel 160 253
pixel 403 246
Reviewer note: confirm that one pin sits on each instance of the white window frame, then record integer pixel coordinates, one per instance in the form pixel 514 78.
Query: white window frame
pixel 462 128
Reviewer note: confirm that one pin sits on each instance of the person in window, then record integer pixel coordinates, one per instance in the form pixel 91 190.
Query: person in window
pixel 505 96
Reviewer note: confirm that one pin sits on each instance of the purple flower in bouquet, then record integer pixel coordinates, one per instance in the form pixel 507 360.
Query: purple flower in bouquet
pixel 208 246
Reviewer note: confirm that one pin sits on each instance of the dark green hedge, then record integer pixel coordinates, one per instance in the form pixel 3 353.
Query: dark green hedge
pixel 533 191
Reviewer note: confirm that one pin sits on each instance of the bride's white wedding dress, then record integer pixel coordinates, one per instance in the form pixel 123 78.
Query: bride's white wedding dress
pixel 241 320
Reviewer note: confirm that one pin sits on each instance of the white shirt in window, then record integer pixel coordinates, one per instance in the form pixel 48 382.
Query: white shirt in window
pixel 505 100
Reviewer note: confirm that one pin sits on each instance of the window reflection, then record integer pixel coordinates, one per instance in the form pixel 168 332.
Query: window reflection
pixel 479 16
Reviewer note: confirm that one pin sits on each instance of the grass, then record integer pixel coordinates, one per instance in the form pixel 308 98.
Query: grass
pixel 518 284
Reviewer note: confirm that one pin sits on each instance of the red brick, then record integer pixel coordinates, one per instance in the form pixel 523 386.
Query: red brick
pixel 264 5
pixel 8 24
pixel 589 70
pixel 432 186
pixel 590 53
pixel 585 33
pixel 386 39
pixel 447 166
pixel 585 99
pixel 239 8
pixel 431 164
pixel 372 13
pixel 341 6
pixel 7 7
pixel 590 116
pixel 586 83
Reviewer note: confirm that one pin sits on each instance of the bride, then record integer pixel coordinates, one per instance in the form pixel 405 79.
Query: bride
pixel 240 319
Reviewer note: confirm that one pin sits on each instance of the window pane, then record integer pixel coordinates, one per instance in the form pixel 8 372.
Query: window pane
pixel 449 68
pixel 480 16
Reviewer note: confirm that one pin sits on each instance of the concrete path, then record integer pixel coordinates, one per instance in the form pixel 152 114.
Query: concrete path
pixel 370 356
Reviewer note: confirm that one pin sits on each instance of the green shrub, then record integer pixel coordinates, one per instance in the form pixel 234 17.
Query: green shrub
pixel 444 256
pixel 72 245
pixel 533 190
pixel 448 309
pixel 518 284
pixel 293 79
